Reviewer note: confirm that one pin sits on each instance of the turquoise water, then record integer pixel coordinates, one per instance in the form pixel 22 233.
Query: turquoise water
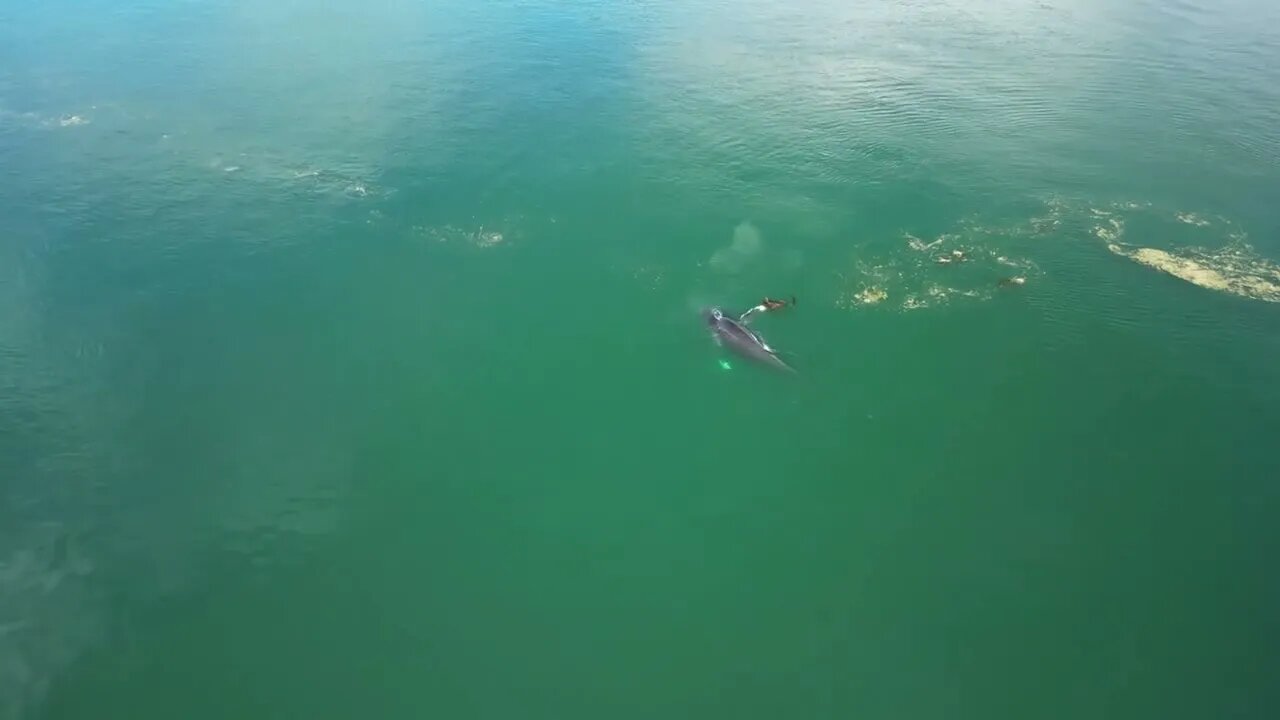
pixel 351 362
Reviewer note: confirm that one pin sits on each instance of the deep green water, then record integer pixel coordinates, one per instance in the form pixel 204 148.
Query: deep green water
pixel 350 360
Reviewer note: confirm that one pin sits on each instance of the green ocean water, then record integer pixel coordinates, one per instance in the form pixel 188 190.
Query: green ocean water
pixel 351 362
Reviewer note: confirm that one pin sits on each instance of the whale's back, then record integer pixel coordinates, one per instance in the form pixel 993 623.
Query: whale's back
pixel 743 340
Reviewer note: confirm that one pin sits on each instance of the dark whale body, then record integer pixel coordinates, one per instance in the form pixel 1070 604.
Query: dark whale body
pixel 743 341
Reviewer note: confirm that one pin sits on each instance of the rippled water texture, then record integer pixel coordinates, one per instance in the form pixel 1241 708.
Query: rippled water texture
pixel 351 362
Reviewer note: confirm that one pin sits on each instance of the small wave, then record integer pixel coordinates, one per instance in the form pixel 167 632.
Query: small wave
pixel 1130 205
pixel 330 183
pixel 1191 219
pixel 1014 263
pixel 36 120
pixel 871 295
pixel 275 172
pixel 442 234
pixel 481 237
pixel 1112 231
pixel 488 238
pixel 914 303
pixel 919 245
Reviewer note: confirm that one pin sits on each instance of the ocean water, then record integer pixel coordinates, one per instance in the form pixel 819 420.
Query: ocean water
pixel 351 359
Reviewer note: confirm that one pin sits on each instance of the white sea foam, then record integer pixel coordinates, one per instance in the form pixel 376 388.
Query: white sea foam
pixel 1111 231
pixel 919 245
pixel 1236 270
pixel 1191 219
pixel 967 264
pixel 1233 266
pixel 481 237
pixel 871 295
pixel 487 238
